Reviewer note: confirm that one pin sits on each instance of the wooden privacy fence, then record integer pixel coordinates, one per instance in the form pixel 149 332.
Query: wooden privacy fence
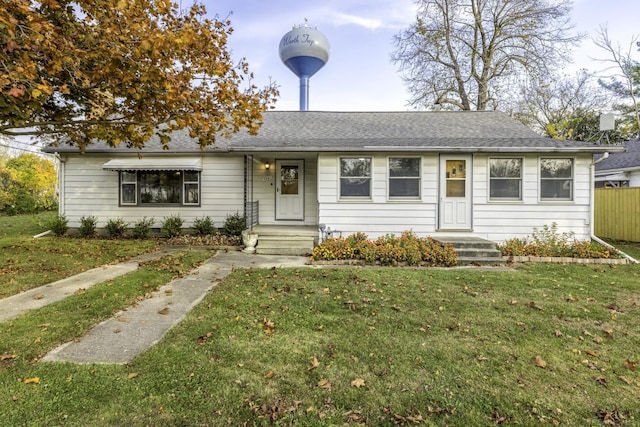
pixel 617 213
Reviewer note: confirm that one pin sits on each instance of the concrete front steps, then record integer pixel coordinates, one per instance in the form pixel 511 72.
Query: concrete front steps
pixel 473 250
pixel 286 240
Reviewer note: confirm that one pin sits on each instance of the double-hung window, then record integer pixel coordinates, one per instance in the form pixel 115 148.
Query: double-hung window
pixel 153 188
pixel 505 179
pixel 556 179
pixel 355 177
pixel 404 177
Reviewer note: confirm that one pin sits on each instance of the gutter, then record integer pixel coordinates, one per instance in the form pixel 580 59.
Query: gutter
pixel 592 213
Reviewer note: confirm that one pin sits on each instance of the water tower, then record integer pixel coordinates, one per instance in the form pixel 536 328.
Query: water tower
pixel 304 50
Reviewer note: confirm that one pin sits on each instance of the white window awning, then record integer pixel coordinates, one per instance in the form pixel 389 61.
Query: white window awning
pixel 173 164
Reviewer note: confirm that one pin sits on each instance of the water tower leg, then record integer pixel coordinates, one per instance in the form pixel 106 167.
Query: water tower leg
pixel 304 93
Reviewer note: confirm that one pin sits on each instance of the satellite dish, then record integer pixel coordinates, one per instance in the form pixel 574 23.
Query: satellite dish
pixel 607 121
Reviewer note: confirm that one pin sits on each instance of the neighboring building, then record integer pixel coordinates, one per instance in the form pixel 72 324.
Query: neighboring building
pixel 436 173
pixel 620 169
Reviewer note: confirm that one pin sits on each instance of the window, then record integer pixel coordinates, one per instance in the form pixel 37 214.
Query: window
pixel 128 188
pixel 505 179
pixel 145 188
pixel 556 179
pixel 404 177
pixel 355 177
pixel 191 188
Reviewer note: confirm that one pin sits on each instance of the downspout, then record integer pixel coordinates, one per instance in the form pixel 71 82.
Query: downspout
pixel 61 186
pixel 592 211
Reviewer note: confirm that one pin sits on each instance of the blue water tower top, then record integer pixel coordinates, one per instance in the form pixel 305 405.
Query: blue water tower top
pixel 304 50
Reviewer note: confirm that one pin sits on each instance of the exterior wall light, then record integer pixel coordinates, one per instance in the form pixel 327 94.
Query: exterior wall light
pixel 267 165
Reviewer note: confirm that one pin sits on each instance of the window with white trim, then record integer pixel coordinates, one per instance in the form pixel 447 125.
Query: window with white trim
pixel 149 188
pixel 128 188
pixel 404 177
pixel 355 177
pixel 505 179
pixel 556 179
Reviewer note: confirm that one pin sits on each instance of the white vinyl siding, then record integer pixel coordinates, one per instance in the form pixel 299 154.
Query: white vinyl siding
pixel 378 215
pixel 264 188
pixel 490 220
pixel 90 190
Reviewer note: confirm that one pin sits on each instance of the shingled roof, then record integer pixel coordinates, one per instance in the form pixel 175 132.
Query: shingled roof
pixel 316 131
pixel 627 160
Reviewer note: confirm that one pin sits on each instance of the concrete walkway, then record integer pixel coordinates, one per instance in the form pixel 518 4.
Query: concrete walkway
pixel 136 329
pixel 13 306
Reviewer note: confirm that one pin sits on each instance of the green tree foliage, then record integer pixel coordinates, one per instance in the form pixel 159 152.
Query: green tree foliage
pixel 466 54
pixel 566 108
pixel 123 72
pixel 27 184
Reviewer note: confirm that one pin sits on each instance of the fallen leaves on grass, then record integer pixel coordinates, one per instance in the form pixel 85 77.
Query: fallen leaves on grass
pixel 534 306
pixel 631 365
pixel 357 383
pixel 132 375
pixel 591 353
pixel 7 356
pixel 34 380
pixel 203 339
pixel 324 383
pixel 602 381
pixel 539 362
pixel 611 418
pixel 314 364
pixel 268 327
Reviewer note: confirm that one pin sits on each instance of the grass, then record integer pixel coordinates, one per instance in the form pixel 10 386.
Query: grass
pixel 542 344
pixel 26 262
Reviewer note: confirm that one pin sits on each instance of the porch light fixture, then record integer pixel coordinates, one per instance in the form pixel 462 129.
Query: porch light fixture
pixel 267 166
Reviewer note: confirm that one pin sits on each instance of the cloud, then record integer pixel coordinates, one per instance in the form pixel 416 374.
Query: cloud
pixel 347 19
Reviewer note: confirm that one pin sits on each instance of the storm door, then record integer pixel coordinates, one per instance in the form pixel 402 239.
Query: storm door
pixel 455 192
pixel 289 190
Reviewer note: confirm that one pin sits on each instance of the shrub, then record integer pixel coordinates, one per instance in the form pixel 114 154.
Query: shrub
pixel 172 226
pixel 549 243
pixel 234 224
pixel 334 248
pixel 203 226
pixel 87 226
pixel 116 227
pixel 142 228
pixel 387 250
pixel 59 225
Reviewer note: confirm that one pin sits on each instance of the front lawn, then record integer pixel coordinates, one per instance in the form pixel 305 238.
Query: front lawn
pixel 544 344
pixel 27 263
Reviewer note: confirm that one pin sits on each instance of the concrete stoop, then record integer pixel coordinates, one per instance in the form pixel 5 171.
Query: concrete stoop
pixel 473 250
pixel 295 240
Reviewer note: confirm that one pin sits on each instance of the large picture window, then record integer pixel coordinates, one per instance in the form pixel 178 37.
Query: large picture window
pixel 355 177
pixel 505 179
pixel 148 188
pixel 556 179
pixel 404 177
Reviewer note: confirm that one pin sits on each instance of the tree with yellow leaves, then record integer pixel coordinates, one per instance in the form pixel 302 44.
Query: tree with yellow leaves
pixel 121 72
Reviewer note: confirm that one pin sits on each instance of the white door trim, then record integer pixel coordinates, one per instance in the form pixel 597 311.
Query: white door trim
pixel 289 201
pixel 456 201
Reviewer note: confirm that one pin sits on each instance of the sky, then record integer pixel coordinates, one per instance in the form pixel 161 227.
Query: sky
pixel 359 75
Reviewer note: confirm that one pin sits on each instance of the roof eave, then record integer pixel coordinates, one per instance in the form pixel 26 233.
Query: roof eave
pixel 439 149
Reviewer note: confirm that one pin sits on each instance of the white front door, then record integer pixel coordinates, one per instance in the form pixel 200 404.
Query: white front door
pixel 455 192
pixel 289 189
